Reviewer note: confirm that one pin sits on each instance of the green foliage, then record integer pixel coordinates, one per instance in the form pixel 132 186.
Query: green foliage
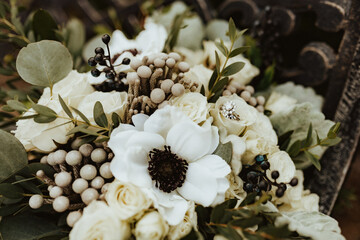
pixel 220 77
pixel 44 63
pixel 267 79
pixel 224 151
pixel 176 26
pixel 13 156
pixel 44 26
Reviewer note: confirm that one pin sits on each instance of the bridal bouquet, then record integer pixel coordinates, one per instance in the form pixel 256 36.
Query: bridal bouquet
pixel 164 138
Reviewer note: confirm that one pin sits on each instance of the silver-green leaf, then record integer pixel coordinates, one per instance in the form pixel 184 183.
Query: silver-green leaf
pixel 44 63
pixel 13 156
pixel 224 151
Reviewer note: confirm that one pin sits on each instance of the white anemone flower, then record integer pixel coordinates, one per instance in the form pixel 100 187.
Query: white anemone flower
pixel 150 41
pixel 170 158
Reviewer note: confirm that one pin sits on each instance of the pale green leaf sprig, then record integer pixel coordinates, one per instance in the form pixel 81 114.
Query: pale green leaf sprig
pixel 42 114
pixel 303 146
pixel 222 72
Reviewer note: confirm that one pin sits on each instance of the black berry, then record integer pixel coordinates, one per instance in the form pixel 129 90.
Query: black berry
pixel 265 165
pixel 248 187
pixel 99 57
pixel 126 61
pixel 105 38
pixel 92 62
pixel 280 192
pixel 275 175
pixel 263 185
pixel 95 72
pixel 110 75
pixel 99 50
pixel 294 182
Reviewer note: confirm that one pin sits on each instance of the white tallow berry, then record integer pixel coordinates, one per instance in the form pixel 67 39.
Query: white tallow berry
pixel 170 62
pixel 97 182
pixel 175 56
pixel 63 179
pixel 105 171
pixel 144 72
pixel 73 158
pixel 260 100
pixel 51 159
pixel 59 156
pixel 159 63
pixel 55 192
pixel 105 188
pixel 166 85
pixel 98 155
pixel 72 218
pixel 80 185
pixel 36 201
pixel 86 149
pixel 43 160
pixel 250 89
pixel 135 63
pixel 88 172
pixel 40 173
pixel 76 144
pixel 61 204
pixel 89 195
pixel 184 66
pixel 177 90
pixel 157 95
pixel 245 95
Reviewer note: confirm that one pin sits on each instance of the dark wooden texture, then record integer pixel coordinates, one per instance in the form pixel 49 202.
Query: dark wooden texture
pixel 327 58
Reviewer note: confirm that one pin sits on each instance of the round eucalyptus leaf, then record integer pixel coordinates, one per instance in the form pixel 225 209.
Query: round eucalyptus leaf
pixel 13 156
pixel 44 63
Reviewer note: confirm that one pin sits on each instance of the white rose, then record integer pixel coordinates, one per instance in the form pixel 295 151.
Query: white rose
pixel 238 149
pixel 184 228
pixel 191 57
pixel 278 102
pixel 281 162
pixel 244 76
pixel 296 199
pixel 41 136
pixel 151 226
pixel 264 129
pixel 98 222
pixel 194 105
pixel 37 136
pixel 201 75
pixel 236 187
pixel 245 113
pixel 127 200
pixel 111 102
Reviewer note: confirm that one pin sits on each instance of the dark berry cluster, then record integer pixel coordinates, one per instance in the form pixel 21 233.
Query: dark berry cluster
pixel 113 81
pixel 255 179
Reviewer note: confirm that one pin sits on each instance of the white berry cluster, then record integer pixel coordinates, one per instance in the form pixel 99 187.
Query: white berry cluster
pixel 82 175
pixel 156 79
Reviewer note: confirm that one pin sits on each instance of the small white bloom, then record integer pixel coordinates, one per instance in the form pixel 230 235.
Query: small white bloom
pixel 127 200
pixel 112 102
pixel 201 75
pixel 100 222
pixel 238 149
pixel 194 105
pixel 151 226
pixel 149 41
pixel 40 136
pixel 172 153
pixel 233 114
pixel 185 226
pixel 278 102
pixel 281 162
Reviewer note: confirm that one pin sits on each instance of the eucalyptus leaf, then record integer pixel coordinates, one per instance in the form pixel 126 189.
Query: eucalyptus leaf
pixel 233 68
pixel 13 156
pixel 16 105
pixel 308 139
pixel 330 141
pixel 44 63
pixel 99 115
pixel 284 140
pixel 44 25
pixel 76 129
pixel 217 61
pixel 219 86
pixel 232 30
pixel 213 79
pixel 217 214
pixel 8 210
pixel 314 159
pixel 9 190
pixel 246 222
pixel 76 36
pixel 27 184
pixel 82 116
pixel 116 120
pixel 28 227
pixel 34 167
pixel 238 51
pixel 65 108
pixel 44 119
pixel 294 149
pixel 224 151
pixel 43 110
pixel 221 46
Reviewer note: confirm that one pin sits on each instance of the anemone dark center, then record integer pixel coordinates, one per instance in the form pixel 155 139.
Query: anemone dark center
pixel 167 169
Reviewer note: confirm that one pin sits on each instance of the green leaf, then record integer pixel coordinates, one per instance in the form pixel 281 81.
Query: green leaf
pixel 294 149
pixel 76 36
pixel 13 156
pixel 44 119
pixel 99 115
pixel 330 141
pixel 82 116
pixel 221 46
pixel 16 105
pixel 268 77
pixel 44 63
pixel 217 61
pixel 34 167
pixel 28 226
pixel 27 184
pixel 9 190
pixel 215 97
pixel 193 235
pixel 224 151
pixel 308 139
pixel 202 90
pixel 219 86
pixel 233 68
pixel 250 198
pixel 76 129
pixel 238 51
pixel 65 108
pixel 333 131
pixel 176 26
pixel 314 159
pixel 213 79
pixel 232 30
pixel 43 110
pixel 103 139
pixel 44 25
pixel 284 140
pixel 247 222
pixel 217 214
pixel 8 210
pixel 116 120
